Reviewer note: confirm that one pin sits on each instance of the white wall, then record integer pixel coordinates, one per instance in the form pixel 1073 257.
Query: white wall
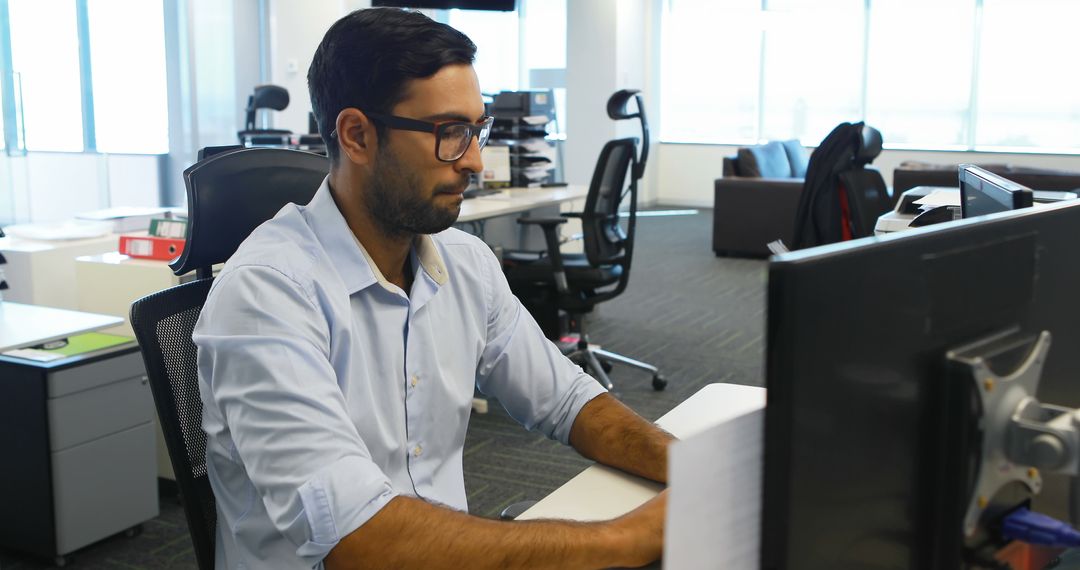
pixel 48 186
pixel 607 49
pixel 296 28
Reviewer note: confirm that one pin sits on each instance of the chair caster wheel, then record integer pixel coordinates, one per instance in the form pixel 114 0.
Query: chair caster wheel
pixel 659 382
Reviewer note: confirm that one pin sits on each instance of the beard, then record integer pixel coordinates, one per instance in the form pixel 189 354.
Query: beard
pixel 398 203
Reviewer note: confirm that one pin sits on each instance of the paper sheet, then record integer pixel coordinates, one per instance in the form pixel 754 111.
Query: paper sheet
pixel 714 502
pixel 944 197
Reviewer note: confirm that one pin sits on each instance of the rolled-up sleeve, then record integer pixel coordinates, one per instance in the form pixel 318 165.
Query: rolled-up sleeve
pixel 538 386
pixel 267 382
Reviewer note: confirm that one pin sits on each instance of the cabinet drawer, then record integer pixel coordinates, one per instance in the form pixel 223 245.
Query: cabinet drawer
pixel 104 487
pixel 86 376
pixel 91 414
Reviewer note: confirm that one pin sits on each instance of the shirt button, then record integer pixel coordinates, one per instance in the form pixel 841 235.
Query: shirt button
pixel 417 451
pixel 415 380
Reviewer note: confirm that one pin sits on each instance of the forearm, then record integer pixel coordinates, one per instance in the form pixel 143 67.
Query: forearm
pixel 410 533
pixel 609 432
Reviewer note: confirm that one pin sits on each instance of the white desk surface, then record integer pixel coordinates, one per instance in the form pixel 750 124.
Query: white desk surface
pixel 515 200
pixel 28 325
pixel 602 493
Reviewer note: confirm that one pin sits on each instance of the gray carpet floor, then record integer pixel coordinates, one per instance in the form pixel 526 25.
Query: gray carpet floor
pixel 697 317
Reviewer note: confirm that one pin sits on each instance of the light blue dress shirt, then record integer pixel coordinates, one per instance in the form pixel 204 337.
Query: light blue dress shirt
pixel 327 391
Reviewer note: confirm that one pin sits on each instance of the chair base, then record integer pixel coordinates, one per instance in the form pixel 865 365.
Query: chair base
pixel 597 362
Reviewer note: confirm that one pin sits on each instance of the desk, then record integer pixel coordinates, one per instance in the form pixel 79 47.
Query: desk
pixel 517 200
pixel 28 325
pixel 77 433
pixel 602 493
pixel 499 213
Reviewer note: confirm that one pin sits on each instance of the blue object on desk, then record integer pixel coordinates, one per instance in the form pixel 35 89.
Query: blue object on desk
pixel 1038 529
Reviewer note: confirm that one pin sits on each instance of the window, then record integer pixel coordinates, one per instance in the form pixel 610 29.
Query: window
pixel 1028 88
pixel 496 37
pixel 812 69
pixel 524 49
pixel 130 116
pixel 922 91
pixel 92 75
pixel 704 99
pixel 977 75
pixel 45 54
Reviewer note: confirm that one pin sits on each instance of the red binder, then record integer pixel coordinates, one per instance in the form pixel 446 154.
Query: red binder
pixel 151 247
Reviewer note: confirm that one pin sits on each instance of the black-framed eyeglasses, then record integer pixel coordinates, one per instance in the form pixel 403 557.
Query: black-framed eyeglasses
pixel 452 138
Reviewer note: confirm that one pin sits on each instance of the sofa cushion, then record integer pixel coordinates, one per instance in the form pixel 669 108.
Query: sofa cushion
pixel 764 161
pixel 797 157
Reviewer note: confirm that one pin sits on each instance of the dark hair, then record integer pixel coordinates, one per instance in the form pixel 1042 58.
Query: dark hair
pixel 366 58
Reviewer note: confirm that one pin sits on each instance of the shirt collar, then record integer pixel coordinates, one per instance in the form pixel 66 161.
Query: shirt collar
pixel 350 259
pixel 424 250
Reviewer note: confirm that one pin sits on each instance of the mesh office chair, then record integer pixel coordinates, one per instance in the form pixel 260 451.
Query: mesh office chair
pixel 576 283
pixel 229 195
pixel 272 97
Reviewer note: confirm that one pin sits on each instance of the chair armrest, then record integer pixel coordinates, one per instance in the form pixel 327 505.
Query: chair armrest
pixel 549 226
pixel 578 215
pixel 542 221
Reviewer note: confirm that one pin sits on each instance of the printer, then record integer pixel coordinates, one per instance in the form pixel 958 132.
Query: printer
pixel 921 198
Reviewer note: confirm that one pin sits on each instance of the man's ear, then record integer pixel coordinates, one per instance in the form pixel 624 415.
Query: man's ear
pixel 356 136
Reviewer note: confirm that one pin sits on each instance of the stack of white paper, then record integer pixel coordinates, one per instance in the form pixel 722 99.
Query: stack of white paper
pixel 714 502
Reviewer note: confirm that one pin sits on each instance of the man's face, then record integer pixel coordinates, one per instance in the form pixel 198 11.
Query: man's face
pixel 410 190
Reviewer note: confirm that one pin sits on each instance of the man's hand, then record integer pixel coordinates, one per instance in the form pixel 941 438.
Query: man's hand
pixel 645 527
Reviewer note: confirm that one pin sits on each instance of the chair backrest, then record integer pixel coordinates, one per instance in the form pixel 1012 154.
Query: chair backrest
pixel 864 188
pixel 163 323
pixel 604 238
pixel 841 198
pixel 229 195
pixel 607 242
pixel 266 96
pixel 868 198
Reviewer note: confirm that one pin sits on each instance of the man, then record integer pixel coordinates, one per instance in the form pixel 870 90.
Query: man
pixel 340 345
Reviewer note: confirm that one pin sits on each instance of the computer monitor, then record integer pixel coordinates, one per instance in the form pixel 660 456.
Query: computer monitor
pixel 869 446
pixel 983 192
pixel 501 5
pixel 207 152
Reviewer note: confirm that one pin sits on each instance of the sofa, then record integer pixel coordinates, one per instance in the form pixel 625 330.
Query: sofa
pixel 911 174
pixel 756 200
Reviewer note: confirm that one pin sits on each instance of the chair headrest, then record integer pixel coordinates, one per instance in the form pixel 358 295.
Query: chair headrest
pixel 869 146
pixel 617 104
pixel 273 97
pixel 231 193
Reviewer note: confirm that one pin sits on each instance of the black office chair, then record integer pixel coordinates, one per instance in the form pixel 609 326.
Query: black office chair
pixel 576 283
pixel 272 97
pixel 867 195
pixel 841 198
pixel 229 195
